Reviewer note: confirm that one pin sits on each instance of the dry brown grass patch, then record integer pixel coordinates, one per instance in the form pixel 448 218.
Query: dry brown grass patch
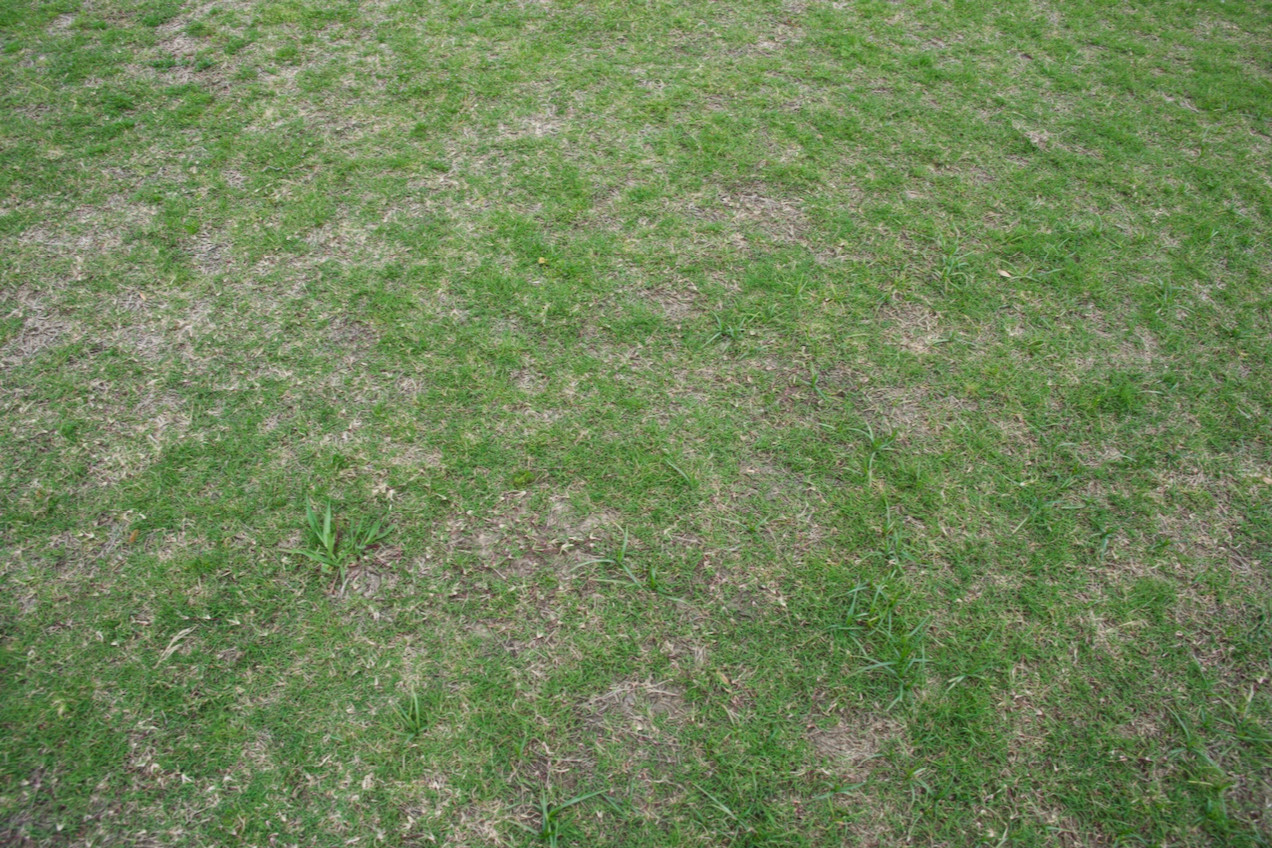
pixel 851 748
pixel 676 305
pixel 912 326
pixel 211 254
pixel 529 381
pixel 637 705
pixel 154 333
pixel 1201 535
pixel 644 716
pixel 89 231
pixel 519 537
pixel 780 219
pixel 352 337
pixel 377 575
pixel 911 410
pixel 540 125
pixel 41 328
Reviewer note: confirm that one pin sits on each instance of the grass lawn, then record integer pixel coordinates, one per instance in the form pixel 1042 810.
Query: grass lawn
pixel 796 423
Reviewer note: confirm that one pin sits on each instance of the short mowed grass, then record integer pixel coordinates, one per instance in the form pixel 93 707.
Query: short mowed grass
pixel 797 423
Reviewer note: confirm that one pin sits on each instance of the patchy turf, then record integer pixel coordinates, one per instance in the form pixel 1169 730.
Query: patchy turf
pixel 805 423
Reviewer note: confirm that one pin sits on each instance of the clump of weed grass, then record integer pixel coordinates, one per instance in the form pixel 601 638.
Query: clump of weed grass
pixel 415 712
pixel 335 550
pixel 650 581
pixel 550 815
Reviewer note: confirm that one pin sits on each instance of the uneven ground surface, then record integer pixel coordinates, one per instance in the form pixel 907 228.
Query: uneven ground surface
pixel 806 423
